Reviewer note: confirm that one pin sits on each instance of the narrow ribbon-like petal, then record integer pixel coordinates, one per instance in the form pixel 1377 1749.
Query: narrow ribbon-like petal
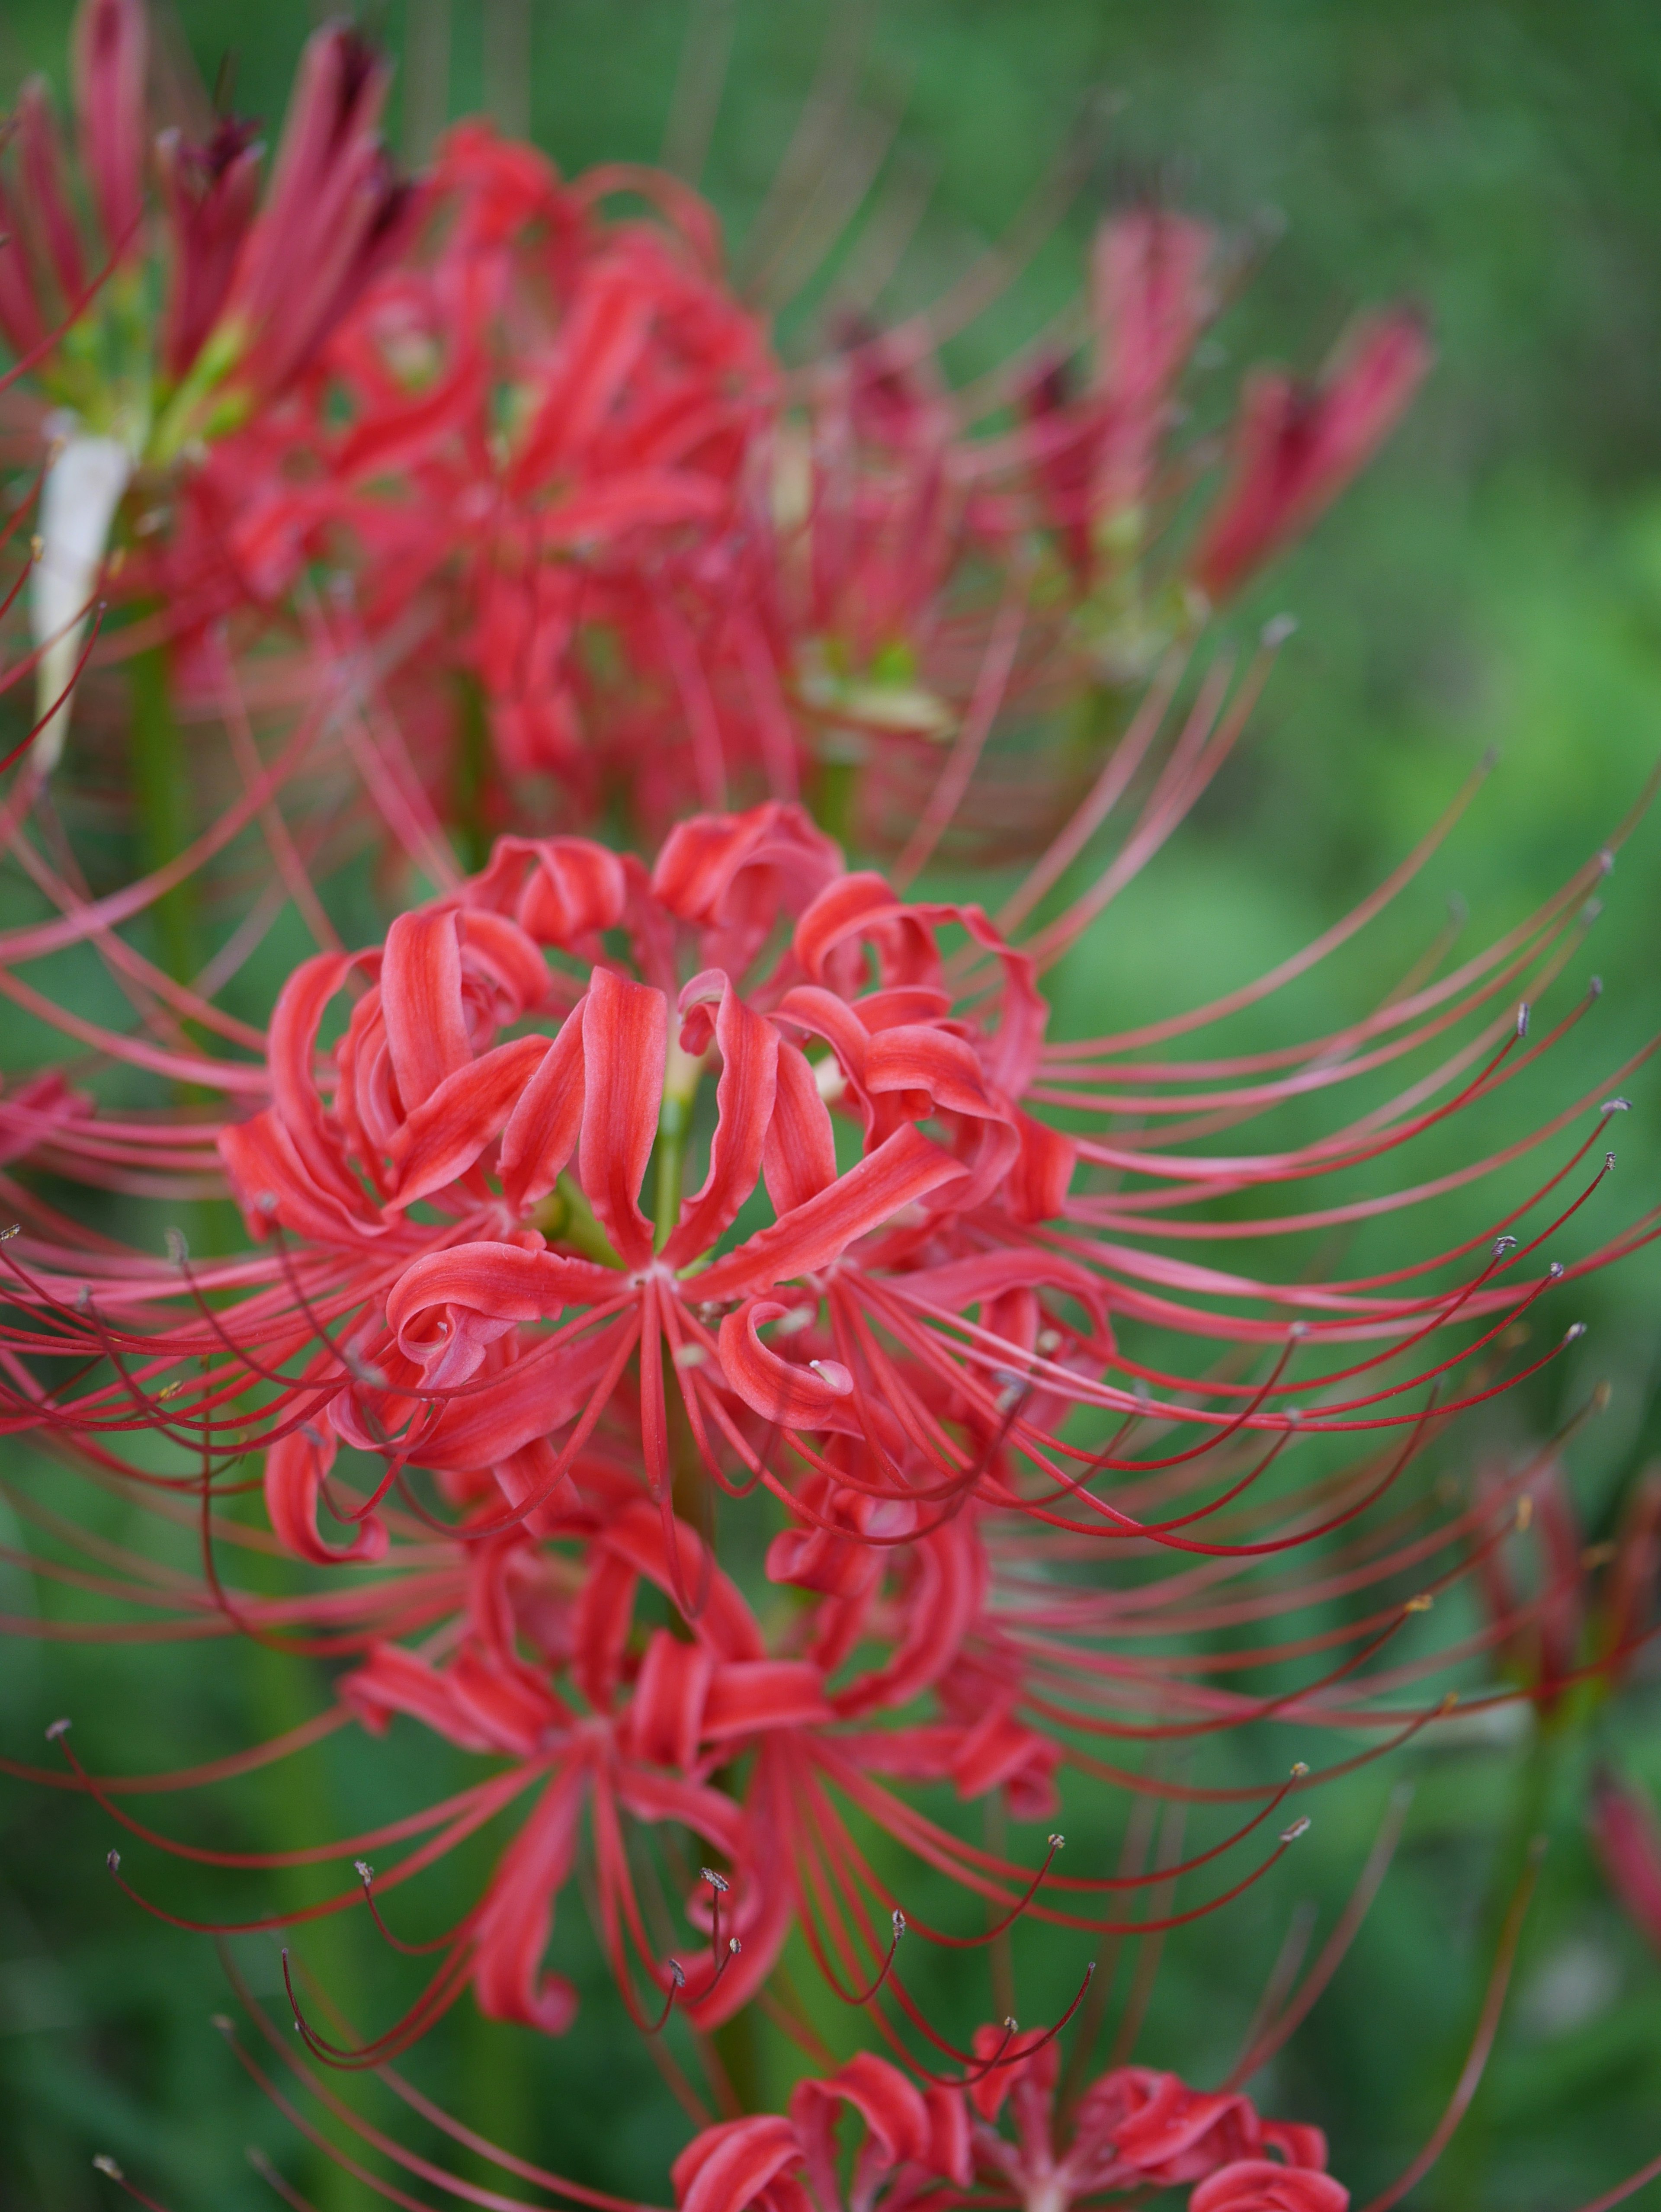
pixel 421 999
pixel 624 1044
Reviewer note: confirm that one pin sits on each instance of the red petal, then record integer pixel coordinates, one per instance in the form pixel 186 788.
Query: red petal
pixel 295 1468
pixel 745 1096
pixel 449 1131
pixel 906 1167
pixel 1628 1839
pixel 517 1914
pixel 421 1001
pixel 796 1397
pixel 625 1041
pixel 541 1130
pixel 799 1157
pixel 727 2168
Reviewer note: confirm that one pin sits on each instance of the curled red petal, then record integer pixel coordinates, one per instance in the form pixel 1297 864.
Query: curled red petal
pixel 295 1467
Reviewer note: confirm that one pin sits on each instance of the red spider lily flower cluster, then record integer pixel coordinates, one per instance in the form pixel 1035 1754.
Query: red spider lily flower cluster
pixel 593 533
pixel 884 1308
pixel 1133 2129
pixel 252 291
pixel 602 1209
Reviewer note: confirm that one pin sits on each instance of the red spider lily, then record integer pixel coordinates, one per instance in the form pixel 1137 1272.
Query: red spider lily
pixel 1296 448
pixel 250 295
pixel 1627 1837
pixel 1133 2129
pixel 586 516
pixel 534 447
pixel 459 1275
pixel 455 1196
pixel 1592 1603
pixel 1099 456
pixel 1153 293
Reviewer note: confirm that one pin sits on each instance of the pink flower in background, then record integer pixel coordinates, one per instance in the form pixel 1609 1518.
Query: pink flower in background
pixel 1295 447
pixel 1627 1837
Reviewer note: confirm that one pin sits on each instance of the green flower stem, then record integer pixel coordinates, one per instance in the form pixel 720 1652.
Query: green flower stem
pixel 298 1809
pixel 471 774
pixel 1460 2179
pixel 738 2046
pixel 834 792
pixel 161 789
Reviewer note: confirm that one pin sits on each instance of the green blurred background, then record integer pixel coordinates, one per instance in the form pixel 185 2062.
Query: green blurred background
pixel 1495 581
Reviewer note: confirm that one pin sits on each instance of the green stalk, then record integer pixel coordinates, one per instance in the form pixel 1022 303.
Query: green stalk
pixel 298 1811
pixel 473 763
pixel 497 2102
pixel 739 2049
pixel 1460 2177
pixel 835 791
pixel 161 789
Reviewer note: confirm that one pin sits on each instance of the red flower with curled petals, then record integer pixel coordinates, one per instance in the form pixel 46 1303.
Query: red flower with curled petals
pixel 1134 2128
pixel 1258 2184
pixel 1295 448
pixel 910 2140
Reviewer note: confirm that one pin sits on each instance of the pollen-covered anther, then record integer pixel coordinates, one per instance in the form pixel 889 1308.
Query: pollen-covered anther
pixel 793 1322
pixel 1057 1843
pixel 266 1201
pixel 1051 1340
pixel 1609 1106
pixel 1300 1826
pixel 170 1390
pixel 1524 1513
pixel 899 1923
pixel 1522 1011
pixel 718 1882
pixel 691 1355
pixel 103 2163
pixel 12 1229
pixel 364 1871
pixel 1300 1769
pixel 1555 1270
pixel 1502 1245
pixel 1276 630
pixel 1574 1332
pixel 177 1250
pixel 113 1861
pixel 58 1730
pixel 1422 1603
